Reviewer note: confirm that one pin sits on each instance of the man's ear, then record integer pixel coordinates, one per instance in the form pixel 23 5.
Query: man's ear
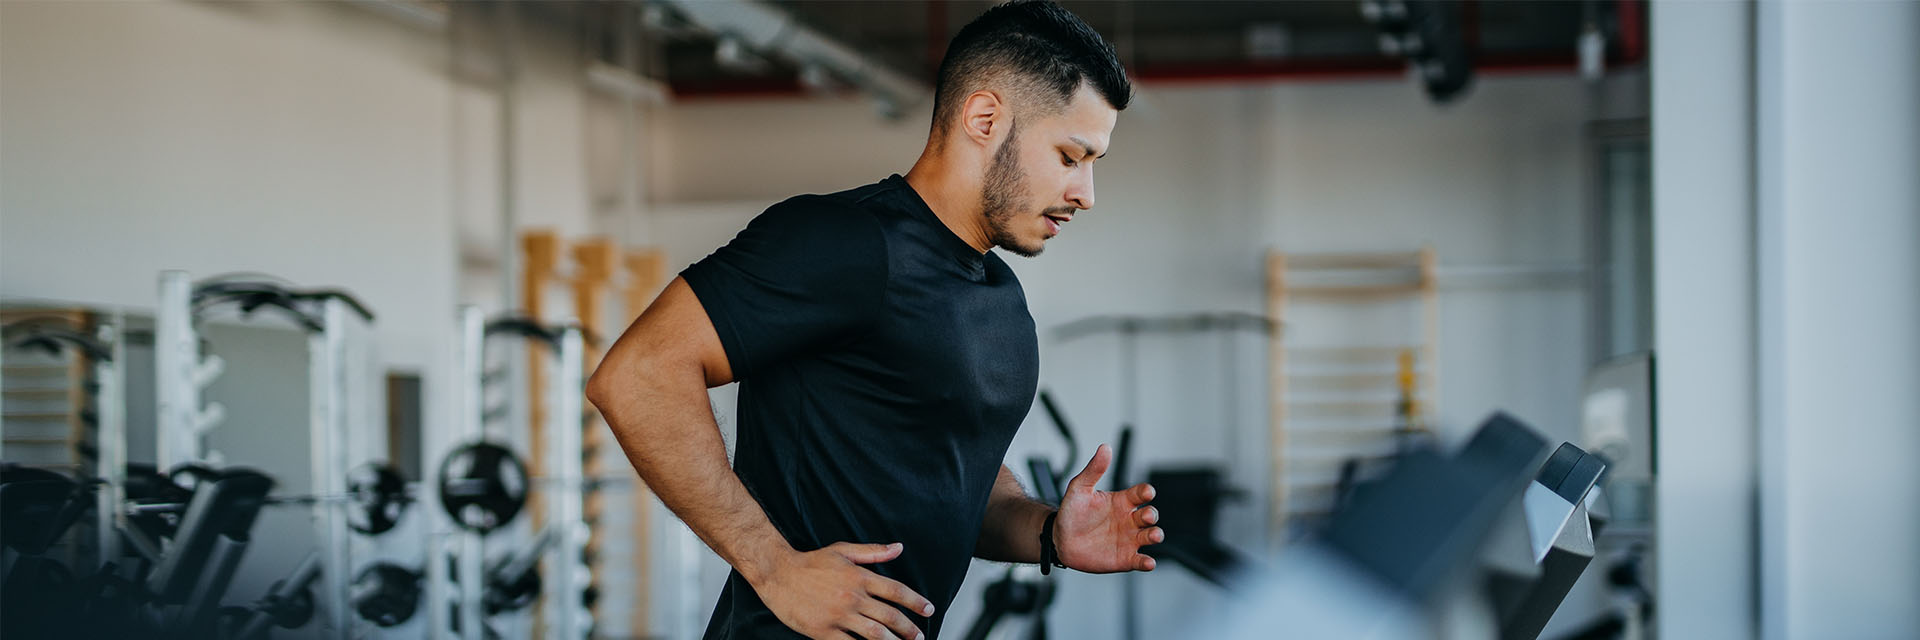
pixel 983 117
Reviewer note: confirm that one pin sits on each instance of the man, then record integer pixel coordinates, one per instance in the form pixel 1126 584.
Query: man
pixel 886 357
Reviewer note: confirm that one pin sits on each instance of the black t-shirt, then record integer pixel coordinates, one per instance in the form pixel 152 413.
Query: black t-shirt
pixel 884 366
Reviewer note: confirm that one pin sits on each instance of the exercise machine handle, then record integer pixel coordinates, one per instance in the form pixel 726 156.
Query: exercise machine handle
pixel 1060 424
pixel 1118 480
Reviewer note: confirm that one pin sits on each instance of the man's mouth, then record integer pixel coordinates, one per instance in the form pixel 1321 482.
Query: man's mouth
pixel 1054 222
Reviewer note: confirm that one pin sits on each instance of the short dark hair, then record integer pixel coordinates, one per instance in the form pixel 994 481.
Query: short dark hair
pixel 1046 50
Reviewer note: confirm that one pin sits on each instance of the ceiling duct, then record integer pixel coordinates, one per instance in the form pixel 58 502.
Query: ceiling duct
pixel 426 15
pixel 773 32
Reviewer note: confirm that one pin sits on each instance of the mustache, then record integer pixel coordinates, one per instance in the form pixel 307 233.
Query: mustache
pixel 1054 210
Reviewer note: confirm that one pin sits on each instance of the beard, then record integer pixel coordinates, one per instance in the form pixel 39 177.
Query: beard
pixel 1003 187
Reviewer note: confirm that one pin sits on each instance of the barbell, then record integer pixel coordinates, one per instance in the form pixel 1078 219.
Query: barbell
pixel 481 485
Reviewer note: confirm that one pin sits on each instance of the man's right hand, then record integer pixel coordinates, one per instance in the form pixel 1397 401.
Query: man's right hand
pixel 826 594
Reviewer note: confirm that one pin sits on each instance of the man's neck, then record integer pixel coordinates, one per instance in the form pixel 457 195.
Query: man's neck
pixel 956 203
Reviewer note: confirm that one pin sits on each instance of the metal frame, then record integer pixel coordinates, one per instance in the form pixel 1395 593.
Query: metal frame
pixel 337 380
pixel 567 575
pixel 339 360
pixel 468 393
pixel 180 373
pixel 110 408
pixel 563 570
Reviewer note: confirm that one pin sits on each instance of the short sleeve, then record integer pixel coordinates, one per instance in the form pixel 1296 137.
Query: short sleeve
pixel 803 275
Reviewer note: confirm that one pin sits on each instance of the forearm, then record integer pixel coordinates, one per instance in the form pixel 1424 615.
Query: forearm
pixel 1010 532
pixel 664 422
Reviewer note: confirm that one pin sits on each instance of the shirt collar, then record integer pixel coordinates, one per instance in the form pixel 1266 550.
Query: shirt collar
pixel 970 258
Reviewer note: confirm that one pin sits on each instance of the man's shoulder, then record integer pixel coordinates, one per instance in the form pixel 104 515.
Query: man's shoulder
pixel 849 221
pixel 817 216
pixel 835 230
pixel 853 206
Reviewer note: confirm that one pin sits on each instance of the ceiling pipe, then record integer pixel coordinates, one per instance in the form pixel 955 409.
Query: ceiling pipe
pixel 774 32
pixel 622 83
pixel 413 13
pixel 1632 52
pixel 1203 73
pixel 1358 67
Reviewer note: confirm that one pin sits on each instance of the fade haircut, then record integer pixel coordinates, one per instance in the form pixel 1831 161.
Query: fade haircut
pixel 1038 50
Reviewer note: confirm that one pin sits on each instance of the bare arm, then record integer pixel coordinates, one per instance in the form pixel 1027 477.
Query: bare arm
pixel 1011 530
pixel 652 390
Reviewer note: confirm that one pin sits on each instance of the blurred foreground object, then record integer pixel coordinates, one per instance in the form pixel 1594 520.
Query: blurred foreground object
pixel 1482 543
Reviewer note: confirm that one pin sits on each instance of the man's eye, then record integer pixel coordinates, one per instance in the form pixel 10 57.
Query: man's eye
pixel 1067 160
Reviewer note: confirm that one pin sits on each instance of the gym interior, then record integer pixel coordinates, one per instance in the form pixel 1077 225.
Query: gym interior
pixel 1425 318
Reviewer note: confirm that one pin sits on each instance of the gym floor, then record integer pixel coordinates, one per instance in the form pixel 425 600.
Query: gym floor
pixel 1679 236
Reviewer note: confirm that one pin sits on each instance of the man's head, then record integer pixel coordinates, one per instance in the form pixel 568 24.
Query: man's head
pixel 1026 101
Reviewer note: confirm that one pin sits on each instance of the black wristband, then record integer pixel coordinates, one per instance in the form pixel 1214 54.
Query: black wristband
pixel 1049 556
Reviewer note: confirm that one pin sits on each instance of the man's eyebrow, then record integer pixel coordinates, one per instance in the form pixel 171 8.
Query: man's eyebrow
pixel 1085 145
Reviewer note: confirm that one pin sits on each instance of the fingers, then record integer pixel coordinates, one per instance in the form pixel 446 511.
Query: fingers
pixel 866 553
pixel 892 619
pixel 1144 537
pixel 1140 494
pixel 871 630
pixel 1142 562
pixel 1146 517
pixel 892 591
pixel 1090 476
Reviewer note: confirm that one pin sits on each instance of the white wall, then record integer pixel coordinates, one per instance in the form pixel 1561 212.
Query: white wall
pixel 1703 319
pixel 305 141
pixel 318 142
pixel 1785 224
pixel 214 138
pixel 1200 183
pixel 1838 90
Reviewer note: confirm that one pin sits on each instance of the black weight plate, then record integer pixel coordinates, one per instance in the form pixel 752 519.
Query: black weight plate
pixel 379 498
pixel 482 486
pixel 386 594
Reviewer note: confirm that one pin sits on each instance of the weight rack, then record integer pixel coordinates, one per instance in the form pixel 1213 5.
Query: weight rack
pixel 339 415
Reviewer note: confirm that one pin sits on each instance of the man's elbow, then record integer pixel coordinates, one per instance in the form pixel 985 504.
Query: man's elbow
pixel 644 375
pixel 602 385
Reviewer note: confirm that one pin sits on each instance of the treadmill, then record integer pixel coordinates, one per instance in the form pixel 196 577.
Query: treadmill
pixel 1418 552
